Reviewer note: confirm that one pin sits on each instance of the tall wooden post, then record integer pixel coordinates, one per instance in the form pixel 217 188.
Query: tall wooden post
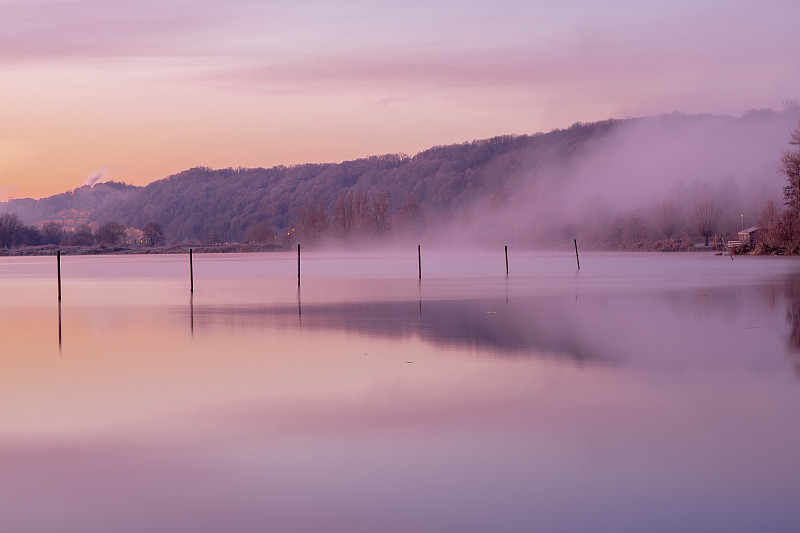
pixel 58 263
pixel 506 260
pixel 578 259
pixel 298 264
pixel 419 259
pixel 191 273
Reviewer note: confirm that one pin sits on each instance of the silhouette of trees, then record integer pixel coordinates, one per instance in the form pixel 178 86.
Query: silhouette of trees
pixel 349 211
pixel 357 211
pixel 52 233
pixel 214 236
pixel 667 218
pixel 790 167
pixel 81 236
pixel 782 230
pixel 626 228
pixel 313 220
pixel 379 212
pixel 29 236
pixel 110 233
pixel 705 213
pixel 153 232
pixel 410 216
pixel 10 229
pixel 260 232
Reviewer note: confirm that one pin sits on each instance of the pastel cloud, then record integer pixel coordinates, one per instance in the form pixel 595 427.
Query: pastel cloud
pixel 458 70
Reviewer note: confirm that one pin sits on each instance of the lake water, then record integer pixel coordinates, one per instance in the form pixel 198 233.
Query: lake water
pixel 647 392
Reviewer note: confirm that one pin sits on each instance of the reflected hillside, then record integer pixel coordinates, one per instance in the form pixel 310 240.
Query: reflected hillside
pixel 536 327
pixel 793 319
pixel 716 327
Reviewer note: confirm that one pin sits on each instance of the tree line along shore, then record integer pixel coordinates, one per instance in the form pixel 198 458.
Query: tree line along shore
pixel 588 182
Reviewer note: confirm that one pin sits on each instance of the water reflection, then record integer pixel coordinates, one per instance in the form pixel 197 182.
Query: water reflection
pixel 669 325
pixel 793 319
pixel 491 326
pixel 522 405
pixel 59 325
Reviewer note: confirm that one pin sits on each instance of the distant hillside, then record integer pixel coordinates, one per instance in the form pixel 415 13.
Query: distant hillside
pixel 530 187
pixel 198 202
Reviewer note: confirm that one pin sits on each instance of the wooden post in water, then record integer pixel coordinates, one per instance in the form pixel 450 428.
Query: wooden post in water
pixel 58 263
pixel 506 260
pixel 419 259
pixel 298 264
pixel 191 273
pixel 578 259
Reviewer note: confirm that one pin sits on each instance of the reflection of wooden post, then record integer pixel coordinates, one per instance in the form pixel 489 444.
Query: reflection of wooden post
pixel 578 259
pixel 58 263
pixel 191 273
pixel 419 259
pixel 298 264
pixel 506 260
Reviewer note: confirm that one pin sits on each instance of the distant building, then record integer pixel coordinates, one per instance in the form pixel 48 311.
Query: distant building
pixel 134 236
pixel 70 219
pixel 748 238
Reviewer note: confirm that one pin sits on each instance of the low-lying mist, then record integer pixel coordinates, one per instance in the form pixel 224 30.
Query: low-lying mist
pixel 642 179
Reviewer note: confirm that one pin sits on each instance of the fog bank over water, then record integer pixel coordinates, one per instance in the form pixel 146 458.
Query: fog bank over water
pixel 623 184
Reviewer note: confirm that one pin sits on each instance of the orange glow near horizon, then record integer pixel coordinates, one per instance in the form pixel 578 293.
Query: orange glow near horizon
pixel 154 89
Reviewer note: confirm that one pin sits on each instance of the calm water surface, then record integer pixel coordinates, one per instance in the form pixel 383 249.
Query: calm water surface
pixel 654 392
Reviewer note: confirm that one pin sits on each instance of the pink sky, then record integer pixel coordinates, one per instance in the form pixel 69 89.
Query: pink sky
pixel 147 88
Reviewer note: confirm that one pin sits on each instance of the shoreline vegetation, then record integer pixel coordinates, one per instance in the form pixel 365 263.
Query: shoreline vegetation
pixel 675 245
pixel 52 249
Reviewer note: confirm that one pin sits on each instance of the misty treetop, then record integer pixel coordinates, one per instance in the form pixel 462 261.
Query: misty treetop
pixel 781 229
pixel 612 184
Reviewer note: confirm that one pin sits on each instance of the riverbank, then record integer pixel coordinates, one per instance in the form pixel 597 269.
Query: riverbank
pixel 52 249
pixel 673 245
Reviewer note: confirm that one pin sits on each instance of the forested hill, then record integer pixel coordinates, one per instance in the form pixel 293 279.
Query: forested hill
pixel 200 202
pixel 511 182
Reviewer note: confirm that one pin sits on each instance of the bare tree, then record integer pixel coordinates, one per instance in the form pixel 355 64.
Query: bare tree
pixel 313 220
pixel 81 236
pixel 345 213
pixel 771 221
pixel 770 214
pixel 153 232
pixel 379 211
pixel 214 236
pixel 666 218
pixel 10 228
pixel 790 167
pixel 110 233
pixel 706 214
pixel 52 232
pixel 411 216
pixel 260 232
